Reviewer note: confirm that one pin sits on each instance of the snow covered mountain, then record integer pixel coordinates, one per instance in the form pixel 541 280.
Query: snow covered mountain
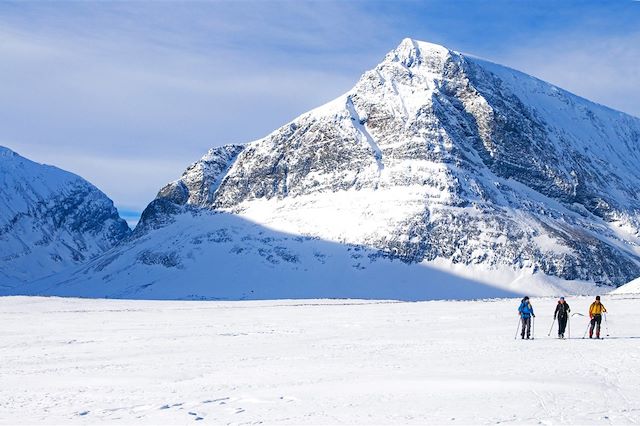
pixel 50 219
pixel 632 287
pixel 434 162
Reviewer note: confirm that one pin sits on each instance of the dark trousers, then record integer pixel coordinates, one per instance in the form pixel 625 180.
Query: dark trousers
pixel 562 325
pixel 526 326
pixel 595 322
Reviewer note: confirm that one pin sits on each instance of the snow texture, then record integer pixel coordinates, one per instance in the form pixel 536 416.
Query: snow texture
pixel 50 220
pixel 73 361
pixel 632 287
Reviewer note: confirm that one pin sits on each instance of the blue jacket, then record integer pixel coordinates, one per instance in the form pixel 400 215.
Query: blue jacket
pixel 525 309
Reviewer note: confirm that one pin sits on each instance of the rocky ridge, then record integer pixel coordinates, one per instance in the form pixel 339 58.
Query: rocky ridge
pixel 50 219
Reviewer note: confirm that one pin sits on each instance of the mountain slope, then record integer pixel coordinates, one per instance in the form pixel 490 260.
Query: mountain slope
pixel 632 287
pixel 49 220
pixel 434 159
pixel 220 256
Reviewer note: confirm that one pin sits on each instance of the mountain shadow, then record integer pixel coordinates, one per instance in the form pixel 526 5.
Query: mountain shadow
pixel 204 255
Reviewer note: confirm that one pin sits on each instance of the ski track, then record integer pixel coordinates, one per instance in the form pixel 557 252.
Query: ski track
pixel 88 361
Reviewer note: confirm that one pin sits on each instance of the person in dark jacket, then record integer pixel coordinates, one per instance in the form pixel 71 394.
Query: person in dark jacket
pixel 526 312
pixel 562 314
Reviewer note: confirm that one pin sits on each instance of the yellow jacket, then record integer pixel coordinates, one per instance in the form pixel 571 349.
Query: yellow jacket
pixel 596 308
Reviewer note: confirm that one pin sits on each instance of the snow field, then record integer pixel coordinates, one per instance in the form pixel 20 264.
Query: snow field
pixel 632 287
pixel 87 361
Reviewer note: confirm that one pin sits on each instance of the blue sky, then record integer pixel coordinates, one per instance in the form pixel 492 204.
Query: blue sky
pixel 127 94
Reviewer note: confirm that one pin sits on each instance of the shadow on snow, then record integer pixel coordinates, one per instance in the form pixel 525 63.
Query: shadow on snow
pixel 221 256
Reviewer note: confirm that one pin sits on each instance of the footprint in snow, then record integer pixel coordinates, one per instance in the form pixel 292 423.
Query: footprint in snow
pixel 197 417
pixel 219 400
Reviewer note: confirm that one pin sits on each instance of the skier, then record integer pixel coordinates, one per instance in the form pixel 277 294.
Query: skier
pixel 526 312
pixel 562 314
pixel 595 313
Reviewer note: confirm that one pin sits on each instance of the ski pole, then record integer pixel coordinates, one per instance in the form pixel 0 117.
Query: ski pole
pixel 569 327
pixel 533 327
pixel 517 329
pixel 551 328
pixel 606 327
pixel 585 332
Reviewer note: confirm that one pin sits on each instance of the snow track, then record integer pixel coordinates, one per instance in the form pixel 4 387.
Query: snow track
pixel 311 362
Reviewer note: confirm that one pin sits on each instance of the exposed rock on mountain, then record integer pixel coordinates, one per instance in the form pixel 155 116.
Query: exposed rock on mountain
pixel 49 220
pixel 434 158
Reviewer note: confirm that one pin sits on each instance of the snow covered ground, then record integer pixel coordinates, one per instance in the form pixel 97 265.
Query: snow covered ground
pixel 314 362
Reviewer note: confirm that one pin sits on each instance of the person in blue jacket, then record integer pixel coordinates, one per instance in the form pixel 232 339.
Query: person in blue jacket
pixel 526 312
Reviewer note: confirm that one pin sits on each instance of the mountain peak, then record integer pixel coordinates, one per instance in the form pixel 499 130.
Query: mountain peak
pixel 411 52
pixel 50 219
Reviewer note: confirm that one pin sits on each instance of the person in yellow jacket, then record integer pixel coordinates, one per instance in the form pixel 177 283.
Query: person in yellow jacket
pixel 595 313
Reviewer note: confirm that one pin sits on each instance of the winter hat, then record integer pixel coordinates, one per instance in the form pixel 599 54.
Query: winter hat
pixel 562 298
pixel 527 298
pixel 597 297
